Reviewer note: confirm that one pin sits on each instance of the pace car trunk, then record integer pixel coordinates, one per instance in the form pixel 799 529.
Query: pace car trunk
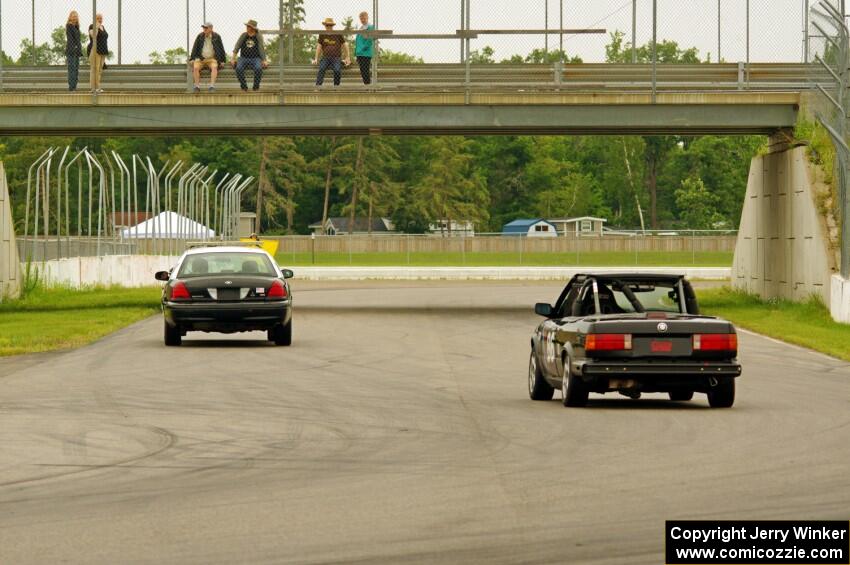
pixel 241 288
pixel 659 337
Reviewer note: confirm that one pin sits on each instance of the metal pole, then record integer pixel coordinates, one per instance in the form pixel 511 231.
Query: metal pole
pixel 805 18
pixel 33 33
pixel 188 47
pixel 561 23
pixel 748 43
pixel 205 11
pixel 546 26
pixel 634 32
pixel 279 46
pixel 93 36
pixel 291 36
pixel 377 46
pixel 654 50
pixel 468 46
pixel 462 26
pixel 119 31
pixel 1 45
pixel 719 58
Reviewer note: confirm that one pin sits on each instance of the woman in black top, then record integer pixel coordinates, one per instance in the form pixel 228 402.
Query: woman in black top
pixel 73 49
pixel 97 56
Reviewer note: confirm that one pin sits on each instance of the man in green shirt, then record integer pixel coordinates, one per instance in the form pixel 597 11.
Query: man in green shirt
pixel 364 49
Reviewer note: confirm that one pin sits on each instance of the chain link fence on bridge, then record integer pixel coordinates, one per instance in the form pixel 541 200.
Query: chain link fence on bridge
pixel 160 31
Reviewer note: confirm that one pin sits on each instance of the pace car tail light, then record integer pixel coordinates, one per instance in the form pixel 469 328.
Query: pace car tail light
pixel 715 342
pixel 180 292
pixel 607 342
pixel 277 291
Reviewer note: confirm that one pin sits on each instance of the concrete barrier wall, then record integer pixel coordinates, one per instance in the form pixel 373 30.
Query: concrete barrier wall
pixel 112 270
pixel 10 265
pixel 783 246
pixel 839 304
pixel 137 271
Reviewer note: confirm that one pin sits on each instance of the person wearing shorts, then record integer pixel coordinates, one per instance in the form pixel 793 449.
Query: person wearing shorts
pixel 208 52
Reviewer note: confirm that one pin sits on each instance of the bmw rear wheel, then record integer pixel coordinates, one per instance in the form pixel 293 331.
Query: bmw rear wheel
pixel 538 388
pixel 574 391
pixel 723 394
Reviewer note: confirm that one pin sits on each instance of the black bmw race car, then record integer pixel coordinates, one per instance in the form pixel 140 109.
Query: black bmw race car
pixel 631 333
pixel 227 290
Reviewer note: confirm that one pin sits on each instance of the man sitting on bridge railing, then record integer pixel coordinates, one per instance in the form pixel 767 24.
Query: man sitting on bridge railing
pixel 331 52
pixel 208 51
pixel 251 54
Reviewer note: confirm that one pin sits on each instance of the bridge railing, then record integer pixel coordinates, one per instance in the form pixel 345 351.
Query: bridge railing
pixel 472 34
pixel 553 77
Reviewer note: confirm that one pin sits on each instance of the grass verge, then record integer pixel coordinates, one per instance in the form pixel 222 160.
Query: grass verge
pixel 46 320
pixel 808 324
pixel 454 259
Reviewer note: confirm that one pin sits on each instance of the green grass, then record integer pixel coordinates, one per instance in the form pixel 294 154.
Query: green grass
pixel 808 324
pixel 453 259
pixel 58 319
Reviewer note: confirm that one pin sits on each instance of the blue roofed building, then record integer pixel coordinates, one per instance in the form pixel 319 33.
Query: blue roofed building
pixel 530 228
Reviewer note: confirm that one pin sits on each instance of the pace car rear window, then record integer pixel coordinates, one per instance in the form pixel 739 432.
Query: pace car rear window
pixel 222 263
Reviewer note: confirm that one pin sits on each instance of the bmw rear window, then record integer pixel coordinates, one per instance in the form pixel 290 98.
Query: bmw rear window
pixel 223 263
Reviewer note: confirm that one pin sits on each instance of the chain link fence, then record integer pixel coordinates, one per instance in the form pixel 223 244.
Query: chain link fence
pixel 706 248
pixel 829 51
pixel 161 31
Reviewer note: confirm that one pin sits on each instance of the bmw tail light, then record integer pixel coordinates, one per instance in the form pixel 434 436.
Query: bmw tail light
pixel 715 342
pixel 180 292
pixel 277 291
pixel 608 342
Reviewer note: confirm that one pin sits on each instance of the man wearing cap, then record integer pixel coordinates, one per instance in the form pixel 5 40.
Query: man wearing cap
pixel 251 55
pixel 331 53
pixel 208 51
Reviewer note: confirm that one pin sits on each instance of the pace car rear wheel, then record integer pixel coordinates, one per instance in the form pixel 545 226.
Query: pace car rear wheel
pixel 173 336
pixel 681 395
pixel 281 334
pixel 723 394
pixel 573 390
pixel 538 388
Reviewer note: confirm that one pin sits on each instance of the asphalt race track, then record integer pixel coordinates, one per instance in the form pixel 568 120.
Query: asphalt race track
pixel 397 429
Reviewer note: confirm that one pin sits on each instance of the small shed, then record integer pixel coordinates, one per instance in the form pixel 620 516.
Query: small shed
pixel 583 226
pixel 361 226
pixel 454 228
pixel 530 228
pixel 247 224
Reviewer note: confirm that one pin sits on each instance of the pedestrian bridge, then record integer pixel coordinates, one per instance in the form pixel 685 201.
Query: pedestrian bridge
pixel 414 99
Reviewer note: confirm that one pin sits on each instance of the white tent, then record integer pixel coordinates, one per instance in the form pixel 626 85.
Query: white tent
pixel 168 225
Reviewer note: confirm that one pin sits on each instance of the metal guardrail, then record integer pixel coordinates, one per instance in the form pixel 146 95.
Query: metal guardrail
pixel 592 76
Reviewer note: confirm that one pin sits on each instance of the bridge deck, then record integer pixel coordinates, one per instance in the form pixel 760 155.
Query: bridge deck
pixel 498 99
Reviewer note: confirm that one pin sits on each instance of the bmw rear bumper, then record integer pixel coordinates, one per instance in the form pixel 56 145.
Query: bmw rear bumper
pixel 655 376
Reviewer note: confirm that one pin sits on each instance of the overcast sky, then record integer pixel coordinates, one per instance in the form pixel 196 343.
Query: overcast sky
pixel 155 25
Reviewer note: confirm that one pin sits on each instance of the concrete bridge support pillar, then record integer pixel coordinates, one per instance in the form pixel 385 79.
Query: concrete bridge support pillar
pixel 10 265
pixel 786 247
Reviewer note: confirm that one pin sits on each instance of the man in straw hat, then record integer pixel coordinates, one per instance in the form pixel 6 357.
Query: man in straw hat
pixel 251 55
pixel 331 52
